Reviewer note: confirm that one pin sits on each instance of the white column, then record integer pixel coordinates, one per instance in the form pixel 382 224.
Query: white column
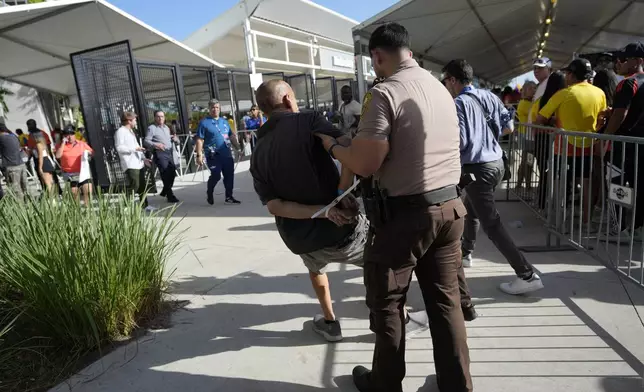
pixel 361 72
pixel 312 52
pixel 248 38
pixel 361 76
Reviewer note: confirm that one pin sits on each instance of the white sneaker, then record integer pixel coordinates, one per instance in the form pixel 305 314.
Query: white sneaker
pixel 626 235
pixel 467 261
pixel 520 286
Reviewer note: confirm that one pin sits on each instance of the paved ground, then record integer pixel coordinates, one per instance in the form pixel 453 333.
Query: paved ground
pixel 247 326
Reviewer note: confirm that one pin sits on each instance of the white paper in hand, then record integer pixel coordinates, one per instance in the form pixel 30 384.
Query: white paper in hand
pixel 85 172
pixel 336 200
pixel 176 157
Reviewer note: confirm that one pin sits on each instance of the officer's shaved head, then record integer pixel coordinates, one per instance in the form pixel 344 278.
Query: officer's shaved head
pixel 275 95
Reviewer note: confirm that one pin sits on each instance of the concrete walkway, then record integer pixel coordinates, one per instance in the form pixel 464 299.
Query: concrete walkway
pixel 247 326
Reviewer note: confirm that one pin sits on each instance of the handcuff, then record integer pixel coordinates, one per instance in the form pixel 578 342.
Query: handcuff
pixel 330 150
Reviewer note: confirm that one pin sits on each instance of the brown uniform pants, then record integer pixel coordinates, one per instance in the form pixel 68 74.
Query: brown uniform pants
pixel 427 240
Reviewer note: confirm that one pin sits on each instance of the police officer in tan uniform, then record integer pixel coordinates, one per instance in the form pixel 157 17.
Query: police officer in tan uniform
pixel 408 140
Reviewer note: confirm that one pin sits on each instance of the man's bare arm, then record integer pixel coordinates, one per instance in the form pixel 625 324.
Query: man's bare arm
pixel 541 120
pixel 346 175
pixel 292 210
pixel 199 148
pixel 234 140
pixel 59 152
pixel 615 121
pixel 364 157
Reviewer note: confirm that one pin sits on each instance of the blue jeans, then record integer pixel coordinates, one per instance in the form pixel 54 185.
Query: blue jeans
pixel 220 164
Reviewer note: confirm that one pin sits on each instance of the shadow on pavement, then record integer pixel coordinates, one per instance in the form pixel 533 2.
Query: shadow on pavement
pixel 262 227
pixel 622 384
pixel 218 322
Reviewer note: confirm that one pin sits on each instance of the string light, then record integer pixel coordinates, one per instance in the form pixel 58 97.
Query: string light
pixel 548 21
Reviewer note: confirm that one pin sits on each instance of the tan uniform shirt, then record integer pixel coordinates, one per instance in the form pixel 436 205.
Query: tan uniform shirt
pixel 416 114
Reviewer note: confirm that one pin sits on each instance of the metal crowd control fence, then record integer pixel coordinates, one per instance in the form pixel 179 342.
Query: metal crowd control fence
pixel 188 162
pixel 588 189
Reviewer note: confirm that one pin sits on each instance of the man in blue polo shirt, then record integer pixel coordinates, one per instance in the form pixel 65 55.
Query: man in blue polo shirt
pixel 483 119
pixel 214 139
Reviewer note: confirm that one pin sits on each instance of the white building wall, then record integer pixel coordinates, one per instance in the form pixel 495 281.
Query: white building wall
pixel 23 105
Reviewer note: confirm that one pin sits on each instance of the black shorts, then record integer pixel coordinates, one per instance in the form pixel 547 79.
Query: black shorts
pixel 48 166
pixel 576 164
pixel 73 178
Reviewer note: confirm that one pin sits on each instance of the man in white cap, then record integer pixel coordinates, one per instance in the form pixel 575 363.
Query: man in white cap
pixel 542 69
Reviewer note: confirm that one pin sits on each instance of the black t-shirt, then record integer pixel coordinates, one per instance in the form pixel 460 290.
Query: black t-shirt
pixel 290 163
pixel 630 95
pixel 10 150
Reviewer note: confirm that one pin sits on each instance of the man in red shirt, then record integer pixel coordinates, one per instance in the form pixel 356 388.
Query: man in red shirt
pixel 70 152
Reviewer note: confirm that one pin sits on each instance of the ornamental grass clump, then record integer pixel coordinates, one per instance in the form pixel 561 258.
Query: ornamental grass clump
pixel 81 277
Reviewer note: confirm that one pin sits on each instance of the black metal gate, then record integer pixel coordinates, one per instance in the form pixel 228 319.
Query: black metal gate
pixel 273 75
pixel 326 94
pixel 198 89
pixel 106 81
pixel 162 88
pixel 304 90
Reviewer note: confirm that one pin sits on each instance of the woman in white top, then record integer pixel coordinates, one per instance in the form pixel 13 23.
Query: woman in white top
pixel 132 157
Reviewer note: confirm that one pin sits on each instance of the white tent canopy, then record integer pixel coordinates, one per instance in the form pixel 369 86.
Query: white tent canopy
pixel 37 39
pixel 302 15
pixel 500 38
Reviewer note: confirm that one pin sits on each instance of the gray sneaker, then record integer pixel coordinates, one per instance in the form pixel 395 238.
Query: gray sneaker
pixel 331 331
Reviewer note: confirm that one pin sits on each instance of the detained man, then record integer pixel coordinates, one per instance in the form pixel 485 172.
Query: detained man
pixel 295 178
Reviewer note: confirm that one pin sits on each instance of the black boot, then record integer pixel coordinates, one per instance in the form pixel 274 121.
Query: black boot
pixel 469 313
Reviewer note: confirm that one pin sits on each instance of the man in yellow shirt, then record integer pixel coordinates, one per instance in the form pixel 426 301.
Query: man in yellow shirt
pixel 525 104
pixel 22 137
pixel 576 108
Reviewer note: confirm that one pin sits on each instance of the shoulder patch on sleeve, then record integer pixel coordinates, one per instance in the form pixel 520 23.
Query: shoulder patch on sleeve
pixel 366 102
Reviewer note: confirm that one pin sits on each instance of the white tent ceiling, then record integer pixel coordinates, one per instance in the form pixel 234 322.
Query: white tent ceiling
pixel 36 41
pixel 500 38
pixel 303 15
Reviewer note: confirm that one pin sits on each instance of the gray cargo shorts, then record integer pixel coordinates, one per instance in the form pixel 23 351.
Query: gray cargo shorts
pixel 349 252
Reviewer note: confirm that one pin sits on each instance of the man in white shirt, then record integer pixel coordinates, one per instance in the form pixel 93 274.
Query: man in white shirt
pixel 542 69
pixel 131 155
pixel 349 111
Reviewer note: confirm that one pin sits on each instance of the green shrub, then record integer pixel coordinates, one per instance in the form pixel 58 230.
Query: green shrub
pixel 83 276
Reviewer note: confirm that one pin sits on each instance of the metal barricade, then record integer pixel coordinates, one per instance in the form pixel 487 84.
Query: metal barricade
pixel 588 190
pixel 187 151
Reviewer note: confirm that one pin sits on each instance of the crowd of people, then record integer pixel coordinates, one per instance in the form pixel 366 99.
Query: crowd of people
pixel 428 156
pixel 580 98
pixel 32 154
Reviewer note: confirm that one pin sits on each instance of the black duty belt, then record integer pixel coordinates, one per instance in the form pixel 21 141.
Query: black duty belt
pixel 431 198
